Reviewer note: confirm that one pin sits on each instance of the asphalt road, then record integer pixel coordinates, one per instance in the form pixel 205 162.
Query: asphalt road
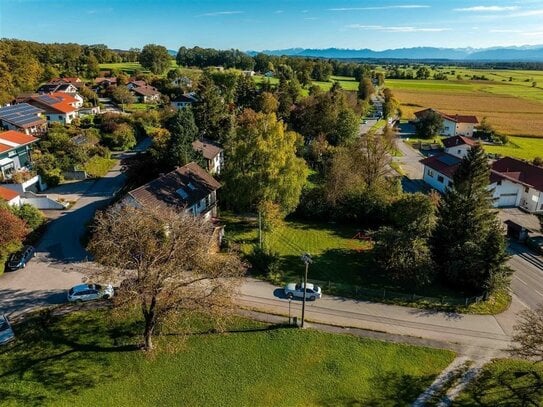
pixel 527 281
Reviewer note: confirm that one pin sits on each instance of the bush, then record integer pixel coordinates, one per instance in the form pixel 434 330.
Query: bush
pixel 265 262
pixel 502 138
pixel 98 166
pixel 538 161
pixel 52 177
pixel 33 217
pixel 122 138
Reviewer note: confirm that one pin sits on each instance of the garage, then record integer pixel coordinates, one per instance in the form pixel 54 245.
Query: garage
pixel 506 200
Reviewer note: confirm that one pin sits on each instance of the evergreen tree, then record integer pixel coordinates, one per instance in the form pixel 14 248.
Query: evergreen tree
pixel 468 244
pixel 183 132
pixel 211 113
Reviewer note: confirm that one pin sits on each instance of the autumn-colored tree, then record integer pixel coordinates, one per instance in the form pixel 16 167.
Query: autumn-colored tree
pixel 262 164
pixel 164 262
pixel 528 336
pixel 12 231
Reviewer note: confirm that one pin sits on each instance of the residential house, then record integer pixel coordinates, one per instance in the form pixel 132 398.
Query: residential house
pixel 10 196
pixel 78 83
pixel 24 118
pixel 183 81
pixel 212 153
pixel 63 88
pixel 135 84
pixel 184 100
pixel 453 125
pixel 103 83
pixel 59 107
pixel 516 183
pixel 248 73
pixel 146 94
pixel 15 150
pixel 189 188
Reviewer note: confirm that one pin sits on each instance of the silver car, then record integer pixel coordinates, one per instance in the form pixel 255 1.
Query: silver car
pixel 293 290
pixel 6 332
pixel 90 292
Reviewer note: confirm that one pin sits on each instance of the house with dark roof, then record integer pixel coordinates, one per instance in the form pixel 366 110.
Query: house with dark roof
pixel 184 100
pixel 59 107
pixel 56 87
pixel 453 125
pixel 189 188
pixel 438 170
pixel 77 82
pixel 517 183
pixel 24 118
pixel 213 155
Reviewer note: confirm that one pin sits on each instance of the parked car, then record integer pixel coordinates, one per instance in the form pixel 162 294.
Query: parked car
pixel 90 292
pixel 18 260
pixel 6 332
pixel 297 290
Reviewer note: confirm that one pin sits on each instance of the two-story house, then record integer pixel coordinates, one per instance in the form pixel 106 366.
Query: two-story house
pixel 58 107
pixel 184 100
pixel 438 170
pixel 15 150
pixel 189 188
pixel 213 155
pixel 516 183
pixel 453 125
pixel 56 87
pixel 24 118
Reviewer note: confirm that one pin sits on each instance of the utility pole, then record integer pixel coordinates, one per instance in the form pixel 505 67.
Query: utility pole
pixel 306 258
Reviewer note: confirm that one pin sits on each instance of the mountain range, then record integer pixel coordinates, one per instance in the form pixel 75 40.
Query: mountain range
pixel 532 53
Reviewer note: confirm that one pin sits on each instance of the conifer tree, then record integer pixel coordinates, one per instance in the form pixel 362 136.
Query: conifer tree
pixel 468 245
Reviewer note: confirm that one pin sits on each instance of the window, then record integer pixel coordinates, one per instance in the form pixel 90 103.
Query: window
pixel 450 183
pixel 440 178
pixel 499 182
pixel 430 173
pixel 526 189
pixel 459 151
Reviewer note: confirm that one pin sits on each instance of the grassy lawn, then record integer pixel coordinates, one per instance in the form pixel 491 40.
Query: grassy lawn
pixel 505 382
pixel 90 359
pixel 98 166
pixel 519 147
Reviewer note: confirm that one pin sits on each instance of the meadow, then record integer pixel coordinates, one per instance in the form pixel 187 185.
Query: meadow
pixel 91 358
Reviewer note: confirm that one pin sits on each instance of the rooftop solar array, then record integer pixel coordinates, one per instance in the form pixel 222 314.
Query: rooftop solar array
pixel 49 100
pixel 448 159
pixel 20 114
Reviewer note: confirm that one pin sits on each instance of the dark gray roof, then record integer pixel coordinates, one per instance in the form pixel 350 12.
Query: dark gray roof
pixel 180 188
pixel 21 115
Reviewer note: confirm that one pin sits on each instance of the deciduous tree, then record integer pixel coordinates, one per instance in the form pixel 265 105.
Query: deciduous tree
pixel 429 124
pixel 164 263
pixel 528 335
pixel 155 58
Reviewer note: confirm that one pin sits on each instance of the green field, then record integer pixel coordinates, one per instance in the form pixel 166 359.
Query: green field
pixel 130 67
pixel 519 147
pixel 91 359
pixel 507 383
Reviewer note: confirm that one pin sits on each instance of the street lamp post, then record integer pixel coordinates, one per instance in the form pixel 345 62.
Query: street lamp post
pixel 306 258
pixel 289 318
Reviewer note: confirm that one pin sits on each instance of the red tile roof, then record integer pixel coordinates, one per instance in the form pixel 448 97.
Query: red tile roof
pixel 208 149
pixel 458 141
pixel 146 90
pixel 17 137
pixel 7 194
pixel 518 171
pixel 4 148
pixel 443 163
pixel 455 118
pixel 59 101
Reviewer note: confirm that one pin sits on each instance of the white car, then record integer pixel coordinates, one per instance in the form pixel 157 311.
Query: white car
pixel 89 292
pixel 6 332
pixel 297 290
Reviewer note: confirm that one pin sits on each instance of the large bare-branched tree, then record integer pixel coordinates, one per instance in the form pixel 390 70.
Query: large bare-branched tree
pixel 164 263
pixel 529 335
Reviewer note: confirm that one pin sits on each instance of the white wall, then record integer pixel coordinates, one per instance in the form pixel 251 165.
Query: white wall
pixel 532 199
pixel 505 188
pixel 432 178
pixel 458 151
pixel 449 128
pixel 465 129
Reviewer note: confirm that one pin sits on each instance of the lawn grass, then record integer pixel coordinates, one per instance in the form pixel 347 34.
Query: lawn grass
pixel 90 359
pixel 505 382
pixel 98 166
pixel 519 147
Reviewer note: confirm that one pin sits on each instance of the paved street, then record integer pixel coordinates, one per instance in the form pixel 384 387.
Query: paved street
pixel 527 281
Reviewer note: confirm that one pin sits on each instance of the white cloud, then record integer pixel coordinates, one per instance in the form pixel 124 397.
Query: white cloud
pixel 310 18
pixel 487 8
pixel 278 12
pixel 396 29
pixel 221 13
pixel 406 6
pixel 505 30
pixel 533 34
pixel 528 13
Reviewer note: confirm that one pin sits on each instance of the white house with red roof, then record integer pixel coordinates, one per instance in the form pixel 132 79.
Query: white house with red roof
pixel 15 150
pixel 453 125
pixel 11 197
pixel 59 107
pixel 517 183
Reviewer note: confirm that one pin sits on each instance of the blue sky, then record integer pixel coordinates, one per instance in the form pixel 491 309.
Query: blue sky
pixel 257 25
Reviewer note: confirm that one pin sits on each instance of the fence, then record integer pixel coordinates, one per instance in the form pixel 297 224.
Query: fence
pixel 354 291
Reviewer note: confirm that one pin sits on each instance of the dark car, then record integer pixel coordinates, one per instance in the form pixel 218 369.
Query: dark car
pixel 18 260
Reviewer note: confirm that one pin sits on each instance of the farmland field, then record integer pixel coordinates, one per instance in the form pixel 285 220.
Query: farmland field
pixel 512 109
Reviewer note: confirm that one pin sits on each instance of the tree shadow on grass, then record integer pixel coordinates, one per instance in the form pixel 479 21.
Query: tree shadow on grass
pixel 61 356
pixel 511 388
pixel 389 389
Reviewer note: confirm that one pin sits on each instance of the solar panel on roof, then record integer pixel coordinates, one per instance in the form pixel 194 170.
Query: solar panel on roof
pixel 47 99
pixel 448 159
pixel 19 114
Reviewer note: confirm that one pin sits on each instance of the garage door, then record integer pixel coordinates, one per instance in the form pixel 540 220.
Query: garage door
pixel 507 200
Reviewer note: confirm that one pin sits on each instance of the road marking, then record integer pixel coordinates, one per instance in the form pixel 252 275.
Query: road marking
pixel 538 292
pixel 521 280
